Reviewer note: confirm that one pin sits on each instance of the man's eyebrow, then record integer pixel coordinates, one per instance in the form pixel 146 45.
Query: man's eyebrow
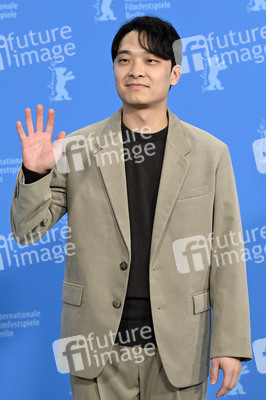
pixel 132 52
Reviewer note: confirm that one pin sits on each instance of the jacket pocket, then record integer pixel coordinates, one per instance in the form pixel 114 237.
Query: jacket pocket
pixel 193 192
pixel 201 301
pixel 72 293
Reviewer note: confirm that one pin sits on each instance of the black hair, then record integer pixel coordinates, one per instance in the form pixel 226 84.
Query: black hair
pixel 160 36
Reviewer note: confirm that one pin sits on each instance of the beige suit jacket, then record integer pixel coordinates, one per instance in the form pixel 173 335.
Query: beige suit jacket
pixel 189 273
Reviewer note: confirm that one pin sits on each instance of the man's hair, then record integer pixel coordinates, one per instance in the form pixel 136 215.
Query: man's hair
pixel 160 36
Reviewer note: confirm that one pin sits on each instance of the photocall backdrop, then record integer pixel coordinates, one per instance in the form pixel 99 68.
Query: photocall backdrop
pixel 59 54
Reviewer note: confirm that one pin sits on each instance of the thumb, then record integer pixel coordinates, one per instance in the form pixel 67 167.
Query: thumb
pixel 59 145
pixel 214 372
pixel 61 135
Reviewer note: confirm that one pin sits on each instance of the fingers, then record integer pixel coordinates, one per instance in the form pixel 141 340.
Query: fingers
pixel 231 368
pixel 228 384
pixel 39 122
pixel 39 119
pixel 20 130
pixel 214 372
pixel 29 124
pixel 50 122
pixel 231 376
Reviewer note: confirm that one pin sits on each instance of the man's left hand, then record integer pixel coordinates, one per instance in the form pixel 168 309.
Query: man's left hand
pixel 231 368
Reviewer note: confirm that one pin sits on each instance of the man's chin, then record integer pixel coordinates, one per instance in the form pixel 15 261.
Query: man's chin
pixel 136 104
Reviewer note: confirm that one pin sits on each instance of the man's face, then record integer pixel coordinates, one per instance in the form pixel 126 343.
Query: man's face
pixel 136 66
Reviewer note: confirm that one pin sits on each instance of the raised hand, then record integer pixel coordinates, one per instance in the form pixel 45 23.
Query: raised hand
pixel 39 154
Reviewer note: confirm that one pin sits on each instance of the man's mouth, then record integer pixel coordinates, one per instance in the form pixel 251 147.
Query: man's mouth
pixel 134 85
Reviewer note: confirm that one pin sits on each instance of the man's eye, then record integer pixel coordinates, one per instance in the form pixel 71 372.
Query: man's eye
pixel 122 59
pixel 152 59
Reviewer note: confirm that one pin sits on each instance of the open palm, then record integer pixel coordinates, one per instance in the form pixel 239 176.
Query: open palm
pixel 39 154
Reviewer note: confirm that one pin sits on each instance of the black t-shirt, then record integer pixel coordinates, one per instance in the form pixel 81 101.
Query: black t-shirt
pixel 143 174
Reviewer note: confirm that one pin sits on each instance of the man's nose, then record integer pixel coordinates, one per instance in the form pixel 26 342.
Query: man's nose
pixel 136 69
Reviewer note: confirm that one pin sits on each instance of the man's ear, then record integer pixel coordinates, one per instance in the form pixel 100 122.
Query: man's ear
pixel 175 74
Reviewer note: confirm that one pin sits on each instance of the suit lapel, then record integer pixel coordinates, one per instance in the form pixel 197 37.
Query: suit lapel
pixel 113 172
pixel 175 167
pixel 174 170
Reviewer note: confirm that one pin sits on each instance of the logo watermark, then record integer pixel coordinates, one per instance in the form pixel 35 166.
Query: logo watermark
pixel 8 10
pixel 9 165
pixel 195 253
pixel 50 247
pixel 21 319
pixel 77 151
pixel 104 12
pixel 259 349
pixel 212 53
pixel 59 78
pixel 259 149
pixel 140 8
pixel 40 47
pixel 256 5
pixel 77 352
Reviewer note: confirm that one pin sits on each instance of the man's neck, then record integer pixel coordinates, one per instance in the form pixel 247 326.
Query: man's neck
pixel 145 120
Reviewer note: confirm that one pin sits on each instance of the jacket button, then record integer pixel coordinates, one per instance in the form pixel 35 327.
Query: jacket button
pixel 116 303
pixel 123 265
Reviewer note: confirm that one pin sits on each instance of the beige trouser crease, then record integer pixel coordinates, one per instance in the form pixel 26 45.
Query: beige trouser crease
pixel 134 378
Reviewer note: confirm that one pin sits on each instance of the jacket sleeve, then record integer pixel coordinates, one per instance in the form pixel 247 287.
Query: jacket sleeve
pixel 37 206
pixel 231 336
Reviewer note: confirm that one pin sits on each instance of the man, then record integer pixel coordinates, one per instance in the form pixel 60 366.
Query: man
pixel 146 195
